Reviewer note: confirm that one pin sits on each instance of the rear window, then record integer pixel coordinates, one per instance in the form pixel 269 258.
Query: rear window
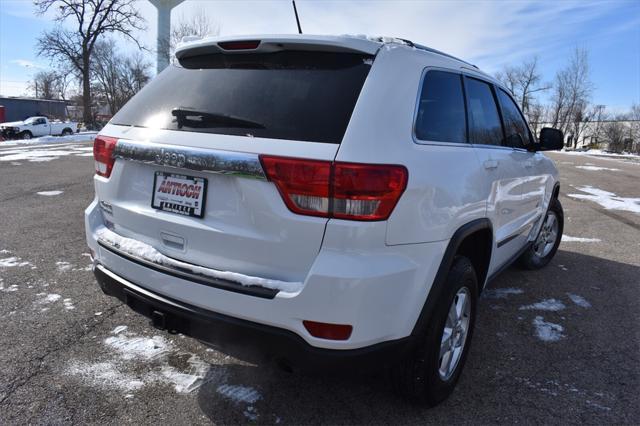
pixel 306 96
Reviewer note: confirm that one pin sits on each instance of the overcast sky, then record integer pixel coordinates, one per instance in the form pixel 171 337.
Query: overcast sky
pixel 487 33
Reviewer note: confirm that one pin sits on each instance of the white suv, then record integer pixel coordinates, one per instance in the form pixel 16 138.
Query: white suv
pixel 325 199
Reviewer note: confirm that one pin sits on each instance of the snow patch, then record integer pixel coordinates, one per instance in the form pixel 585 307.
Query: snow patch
pixel 49 193
pixel 68 304
pixel 147 252
pixel 608 200
pixel 579 300
pixel 63 266
pixel 596 168
pixel 131 347
pixel 106 374
pixel 123 372
pixel 48 298
pixel 501 293
pixel 553 305
pixel 86 268
pixel 80 137
pixel 568 239
pixel 119 329
pixel 10 262
pixel 36 151
pixel 10 289
pixel 251 413
pixel 547 331
pixel 186 382
pixel 238 393
pixel 36 155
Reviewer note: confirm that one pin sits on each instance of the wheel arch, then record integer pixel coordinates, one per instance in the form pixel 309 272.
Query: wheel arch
pixel 469 240
pixel 556 190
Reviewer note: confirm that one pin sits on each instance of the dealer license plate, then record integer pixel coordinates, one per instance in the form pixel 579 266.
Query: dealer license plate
pixel 175 193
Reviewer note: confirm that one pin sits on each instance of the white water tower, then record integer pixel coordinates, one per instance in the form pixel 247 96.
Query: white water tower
pixel 164 30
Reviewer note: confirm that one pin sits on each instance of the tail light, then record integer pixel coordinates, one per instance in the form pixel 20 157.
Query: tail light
pixel 334 189
pixel 103 147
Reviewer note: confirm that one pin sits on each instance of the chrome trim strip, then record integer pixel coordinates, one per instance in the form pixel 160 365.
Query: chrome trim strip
pixel 198 159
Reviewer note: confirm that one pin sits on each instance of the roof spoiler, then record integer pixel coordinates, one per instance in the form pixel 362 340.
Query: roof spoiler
pixel 276 43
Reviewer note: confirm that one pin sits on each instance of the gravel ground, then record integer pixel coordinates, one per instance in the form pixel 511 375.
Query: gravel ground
pixel 560 345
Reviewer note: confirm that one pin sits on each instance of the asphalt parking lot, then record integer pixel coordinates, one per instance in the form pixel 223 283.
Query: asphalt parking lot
pixel 560 345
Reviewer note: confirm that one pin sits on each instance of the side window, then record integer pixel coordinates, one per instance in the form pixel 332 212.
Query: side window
pixel 40 121
pixel 441 115
pixel 485 127
pixel 515 128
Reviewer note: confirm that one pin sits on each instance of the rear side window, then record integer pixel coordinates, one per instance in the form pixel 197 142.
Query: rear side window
pixel 515 128
pixel 305 96
pixel 441 113
pixel 485 127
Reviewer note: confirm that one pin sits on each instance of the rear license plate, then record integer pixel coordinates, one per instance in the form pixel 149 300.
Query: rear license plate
pixel 185 195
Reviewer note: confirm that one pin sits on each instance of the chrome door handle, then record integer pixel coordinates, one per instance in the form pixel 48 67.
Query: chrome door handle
pixel 490 164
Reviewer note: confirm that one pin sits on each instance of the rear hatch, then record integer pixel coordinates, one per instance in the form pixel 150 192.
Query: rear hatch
pixel 188 178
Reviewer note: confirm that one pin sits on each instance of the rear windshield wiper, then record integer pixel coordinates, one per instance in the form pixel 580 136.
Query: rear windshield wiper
pixel 199 119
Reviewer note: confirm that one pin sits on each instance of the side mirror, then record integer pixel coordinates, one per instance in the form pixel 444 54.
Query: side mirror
pixel 550 139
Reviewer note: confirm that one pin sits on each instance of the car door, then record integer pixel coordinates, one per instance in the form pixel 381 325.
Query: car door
pixel 500 170
pixel 518 136
pixel 40 127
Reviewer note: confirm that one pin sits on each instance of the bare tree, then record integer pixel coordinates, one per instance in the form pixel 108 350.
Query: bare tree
pixel 524 81
pixel 583 116
pixel 45 85
pixel 571 92
pixel 117 77
pixel 596 128
pixel 199 24
pixel 536 115
pixel 92 19
pixel 615 132
pixel 51 84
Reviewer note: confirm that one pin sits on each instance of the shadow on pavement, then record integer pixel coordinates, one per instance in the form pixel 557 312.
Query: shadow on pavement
pixel 590 375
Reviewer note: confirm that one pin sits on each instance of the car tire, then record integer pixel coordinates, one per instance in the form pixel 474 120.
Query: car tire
pixel 545 246
pixel 67 132
pixel 26 135
pixel 422 377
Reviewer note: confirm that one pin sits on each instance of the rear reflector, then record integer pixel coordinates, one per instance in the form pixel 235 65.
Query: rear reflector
pixel 323 330
pixel 239 45
pixel 103 147
pixel 334 189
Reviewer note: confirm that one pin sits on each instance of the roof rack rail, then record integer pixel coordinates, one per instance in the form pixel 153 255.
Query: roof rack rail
pixel 429 49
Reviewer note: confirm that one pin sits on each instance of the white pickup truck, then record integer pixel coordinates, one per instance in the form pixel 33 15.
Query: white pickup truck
pixel 34 127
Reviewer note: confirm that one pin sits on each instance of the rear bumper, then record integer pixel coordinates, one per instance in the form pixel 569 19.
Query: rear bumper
pixel 379 290
pixel 243 337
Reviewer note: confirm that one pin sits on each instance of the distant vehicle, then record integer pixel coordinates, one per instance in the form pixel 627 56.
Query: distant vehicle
pixel 34 127
pixel 331 201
